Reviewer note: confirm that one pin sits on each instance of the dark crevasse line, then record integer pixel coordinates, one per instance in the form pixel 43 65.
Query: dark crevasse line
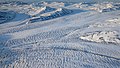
pixel 73 49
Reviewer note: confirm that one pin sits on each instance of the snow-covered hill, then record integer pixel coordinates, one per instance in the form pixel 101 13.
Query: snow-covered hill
pixel 59 34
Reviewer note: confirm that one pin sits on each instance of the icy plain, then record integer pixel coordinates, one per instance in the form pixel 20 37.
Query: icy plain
pixel 62 34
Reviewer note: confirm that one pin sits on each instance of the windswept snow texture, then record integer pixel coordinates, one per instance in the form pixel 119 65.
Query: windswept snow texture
pixel 59 34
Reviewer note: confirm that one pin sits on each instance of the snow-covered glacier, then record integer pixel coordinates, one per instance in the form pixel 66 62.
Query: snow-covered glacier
pixel 60 34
